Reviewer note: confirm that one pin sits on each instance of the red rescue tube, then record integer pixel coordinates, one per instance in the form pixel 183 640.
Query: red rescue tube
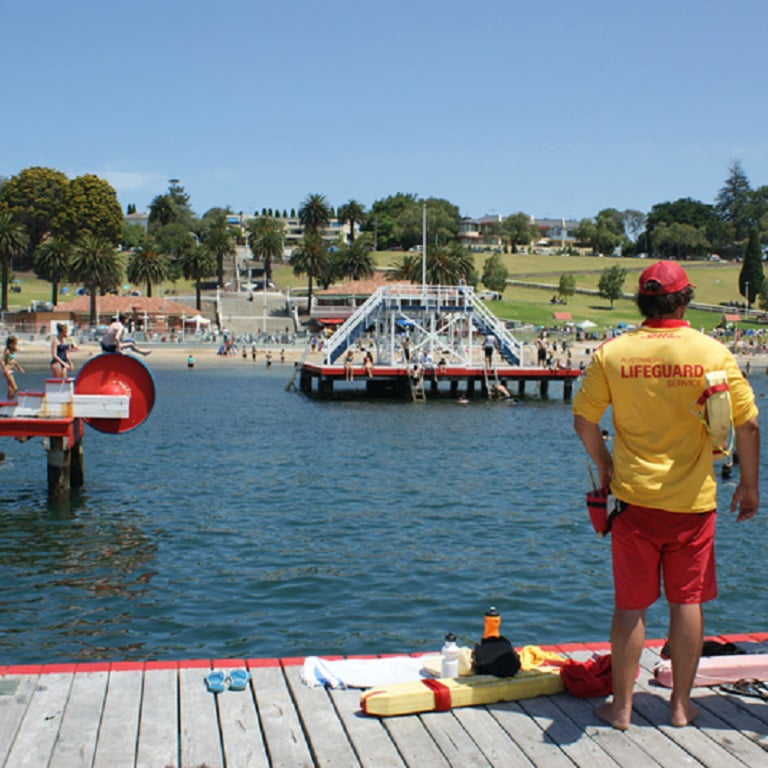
pixel 113 373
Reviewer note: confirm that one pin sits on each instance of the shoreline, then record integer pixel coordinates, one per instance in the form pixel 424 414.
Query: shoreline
pixel 34 355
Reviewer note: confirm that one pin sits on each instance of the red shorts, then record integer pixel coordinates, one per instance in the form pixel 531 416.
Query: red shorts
pixel 650 543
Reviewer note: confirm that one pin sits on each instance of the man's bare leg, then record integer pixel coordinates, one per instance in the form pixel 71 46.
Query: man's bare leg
pixel 686 635
pixel 627 640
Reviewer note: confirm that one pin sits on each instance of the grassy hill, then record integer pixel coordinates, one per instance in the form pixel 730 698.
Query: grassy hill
pixel 715 282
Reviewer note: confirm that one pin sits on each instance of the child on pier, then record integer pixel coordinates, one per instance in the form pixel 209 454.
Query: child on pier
pixel 9 364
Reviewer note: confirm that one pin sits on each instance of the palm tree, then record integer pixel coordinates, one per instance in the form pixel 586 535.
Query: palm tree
pixel 354 213
pixel 162 211
pixel 355 260
pixel 218 237
pixel 98 266
pixel 13 242
pixel 315 214
pixel 310 258
pixel 146 265
pixel 198 263
pixel 52 262
pixel 266 239
pixel 446 265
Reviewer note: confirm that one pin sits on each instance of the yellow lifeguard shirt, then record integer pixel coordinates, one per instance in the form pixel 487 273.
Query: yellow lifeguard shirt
pixel 651 376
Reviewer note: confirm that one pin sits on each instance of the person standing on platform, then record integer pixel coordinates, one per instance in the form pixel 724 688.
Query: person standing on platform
pixel 662 473
pixel 60 349
pixel 10 363
pixel 489 345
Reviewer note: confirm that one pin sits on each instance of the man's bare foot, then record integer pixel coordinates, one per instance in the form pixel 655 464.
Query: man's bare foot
pixel 683 714
pixel 615 716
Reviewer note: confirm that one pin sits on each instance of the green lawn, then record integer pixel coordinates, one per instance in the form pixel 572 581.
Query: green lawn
pixel 715 283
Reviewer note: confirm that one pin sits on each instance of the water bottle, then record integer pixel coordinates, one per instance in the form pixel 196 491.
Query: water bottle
pixel 491 623
pixel 450 657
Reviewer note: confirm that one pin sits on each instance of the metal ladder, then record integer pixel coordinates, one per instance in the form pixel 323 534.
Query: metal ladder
pixel 417 388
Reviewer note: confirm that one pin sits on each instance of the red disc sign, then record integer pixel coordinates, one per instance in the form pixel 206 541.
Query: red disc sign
pixel 112 373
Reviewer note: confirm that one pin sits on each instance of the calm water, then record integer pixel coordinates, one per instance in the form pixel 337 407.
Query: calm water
pixel 243 520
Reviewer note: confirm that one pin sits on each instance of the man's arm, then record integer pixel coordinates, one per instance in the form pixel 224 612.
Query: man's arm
pixel 590 435
pixel 746 497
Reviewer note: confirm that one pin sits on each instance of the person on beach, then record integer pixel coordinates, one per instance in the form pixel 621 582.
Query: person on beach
pixel 662 473
pixel 60 349
pixel 10 363
pixel 113 339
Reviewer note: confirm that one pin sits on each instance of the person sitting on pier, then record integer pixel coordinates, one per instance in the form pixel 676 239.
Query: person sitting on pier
pixel 349 373
pixel 9 364
pixel 60 348
pixel 368 364
pixel 428 364
pixel 113 341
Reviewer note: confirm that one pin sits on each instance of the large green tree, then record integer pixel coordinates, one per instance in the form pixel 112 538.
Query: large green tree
pixel 515 230
pixel 13 242
pixel 310 258
pixel 751 276
pixel 611 283
pixel 219 237
pixel 353 213
pixel 266 239
pixel 52 261
pixel 315 214
pixel 679 241
pixel 35 197
pixel 382 219
pixel 735 202
pixel 90 207
pixel 354 260
pixel 495 274
pixel 98 266
pixel 147 266
pixel 446 264
pixel 198 262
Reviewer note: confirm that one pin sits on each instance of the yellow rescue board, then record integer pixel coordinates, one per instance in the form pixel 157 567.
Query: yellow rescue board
pixel 446 693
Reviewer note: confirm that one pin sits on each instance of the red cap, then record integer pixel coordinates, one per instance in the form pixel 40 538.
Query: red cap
pixel 661 278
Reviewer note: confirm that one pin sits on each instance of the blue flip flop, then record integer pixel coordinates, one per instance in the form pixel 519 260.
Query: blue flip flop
pixel 238 679
pixel 215 681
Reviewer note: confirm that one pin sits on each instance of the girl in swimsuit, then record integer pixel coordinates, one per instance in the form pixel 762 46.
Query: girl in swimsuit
pixel 60 362
pixel 9 364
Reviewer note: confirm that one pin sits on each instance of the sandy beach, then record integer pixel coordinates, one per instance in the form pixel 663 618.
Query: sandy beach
pixel 34 355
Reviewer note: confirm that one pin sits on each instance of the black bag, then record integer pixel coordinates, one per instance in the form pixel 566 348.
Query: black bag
pixel 496 656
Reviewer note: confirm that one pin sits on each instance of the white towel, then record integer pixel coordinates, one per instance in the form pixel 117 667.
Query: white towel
pixel 361 673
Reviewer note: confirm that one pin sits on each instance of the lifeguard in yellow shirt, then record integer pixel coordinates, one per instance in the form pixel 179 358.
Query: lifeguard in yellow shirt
pixel 654 378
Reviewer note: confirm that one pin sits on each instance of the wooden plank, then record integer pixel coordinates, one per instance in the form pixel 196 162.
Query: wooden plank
pixel 325 731
pixel 13 707
pixel 280 724
pixel 76 744
pixel 39 728
pixel 499 750
pixel 199 737
pixel 453 741
pixel 414 742
pixel 241 735
pixel 368 736
pixel 526 733
pixel 710 739
pixel 567 734
pixel 158 743
pixel 116 747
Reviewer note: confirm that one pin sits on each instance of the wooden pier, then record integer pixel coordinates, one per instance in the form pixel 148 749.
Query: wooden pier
pixel 160 715
pixel 320 380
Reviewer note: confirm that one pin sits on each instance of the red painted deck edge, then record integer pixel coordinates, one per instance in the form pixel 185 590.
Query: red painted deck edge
pixel 292 661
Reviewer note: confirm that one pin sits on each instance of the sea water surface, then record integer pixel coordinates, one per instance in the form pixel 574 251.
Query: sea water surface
pixel 242 520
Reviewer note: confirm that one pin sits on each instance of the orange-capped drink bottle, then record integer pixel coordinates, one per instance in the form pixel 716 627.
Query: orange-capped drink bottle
pixel 491 623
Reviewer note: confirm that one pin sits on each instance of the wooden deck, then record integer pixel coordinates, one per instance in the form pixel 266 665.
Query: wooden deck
pixel 159 714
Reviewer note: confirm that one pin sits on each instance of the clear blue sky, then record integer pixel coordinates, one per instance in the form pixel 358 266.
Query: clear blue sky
pixel 557 108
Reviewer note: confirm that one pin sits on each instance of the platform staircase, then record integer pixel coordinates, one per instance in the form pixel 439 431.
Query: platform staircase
pixel 435 316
